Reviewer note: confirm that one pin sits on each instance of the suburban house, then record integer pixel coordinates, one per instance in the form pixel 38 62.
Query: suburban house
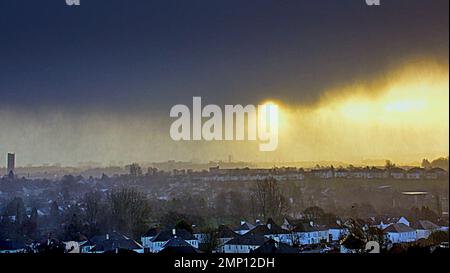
pixel 323 233
pixel 110 242
pixel 326 173
pixel 148 236
pixel 244 243
pixel 424 228
pixel 157 243
pixel 273 231
pixel 306 234
pixel 225 234
pixel 397 173
pixel 400 233
pixel 436 173
pixel 415 173
pixel 341 173
pixel 376 173
pixel 336 233
pixel 200 235
pixel 288 174
pixel 359 173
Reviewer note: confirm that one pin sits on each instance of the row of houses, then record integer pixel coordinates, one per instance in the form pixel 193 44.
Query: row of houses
pixel 378 173
pixel 399 231
pixel 404 232
pixel 245 238
pixel 293 174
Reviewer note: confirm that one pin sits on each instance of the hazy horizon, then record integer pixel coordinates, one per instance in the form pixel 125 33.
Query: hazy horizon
pixel 96 83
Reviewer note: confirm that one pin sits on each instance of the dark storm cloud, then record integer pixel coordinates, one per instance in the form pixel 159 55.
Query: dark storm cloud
pixel 126 56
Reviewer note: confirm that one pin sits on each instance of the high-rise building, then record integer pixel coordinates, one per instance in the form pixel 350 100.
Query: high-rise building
pixel 11 162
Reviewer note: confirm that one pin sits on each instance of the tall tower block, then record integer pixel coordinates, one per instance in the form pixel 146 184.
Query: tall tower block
pixel 11 162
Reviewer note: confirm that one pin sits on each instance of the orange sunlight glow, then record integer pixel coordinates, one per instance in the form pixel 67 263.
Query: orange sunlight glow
pixel 403 118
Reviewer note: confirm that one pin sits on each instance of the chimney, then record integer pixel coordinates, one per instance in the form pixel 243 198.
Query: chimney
pixel 174 233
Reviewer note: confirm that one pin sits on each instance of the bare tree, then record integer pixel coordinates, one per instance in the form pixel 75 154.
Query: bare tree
pixel 269 201
pixel 130 211
pixel 92 201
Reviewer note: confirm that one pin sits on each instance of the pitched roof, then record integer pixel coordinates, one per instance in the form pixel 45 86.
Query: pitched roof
pixel 305 227
pixel 268 230
pixel 178 246
pixel 248 239
pixel 274 227
pixel 112 244
pixel 226 232
pixel 271 246
pixel 176 242
pixel 378 170
pixel 425 224
pixel 244 226
pixel 396 170
pixel 335 226
pixel 100 238
pixel 416 170
pixel 438 170
pixel 398 228
pixel 167 234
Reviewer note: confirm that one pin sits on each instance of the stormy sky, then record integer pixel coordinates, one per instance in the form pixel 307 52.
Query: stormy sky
pixel 96 82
